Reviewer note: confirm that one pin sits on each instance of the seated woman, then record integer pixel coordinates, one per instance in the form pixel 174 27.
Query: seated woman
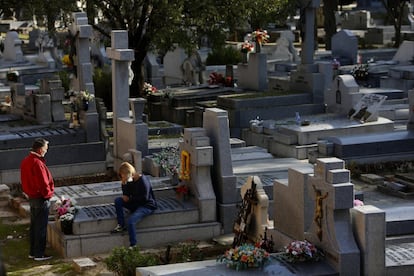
pixel 137 197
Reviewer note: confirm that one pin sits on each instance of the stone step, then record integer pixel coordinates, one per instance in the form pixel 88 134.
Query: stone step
pixel 102 218
pixel 399 220
pixel 250 153
pixel 70 246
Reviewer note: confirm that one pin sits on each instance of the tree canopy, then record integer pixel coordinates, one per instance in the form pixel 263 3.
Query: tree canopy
pixel 163 24
pixel 395 13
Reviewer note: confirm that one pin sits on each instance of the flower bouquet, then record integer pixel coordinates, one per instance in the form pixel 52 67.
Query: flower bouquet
pixel 301 251
pixel 80 99
pixel 246 47
pixel 216 78
pixel 260 36
pixel 182 191
pixel 66 60
pixel 244 256
pixel 149 89
pixel 65 211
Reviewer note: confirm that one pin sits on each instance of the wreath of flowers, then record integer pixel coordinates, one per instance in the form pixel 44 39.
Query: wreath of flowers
pixel 244 256
pixel 301 251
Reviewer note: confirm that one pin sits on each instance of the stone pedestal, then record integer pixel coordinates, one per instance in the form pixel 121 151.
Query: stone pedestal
pixel 254 74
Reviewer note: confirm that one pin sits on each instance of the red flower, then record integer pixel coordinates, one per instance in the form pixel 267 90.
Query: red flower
pixel 244 258
pixel 183 189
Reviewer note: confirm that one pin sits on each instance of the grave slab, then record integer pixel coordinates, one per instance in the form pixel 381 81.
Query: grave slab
pixel 102 218
pixel 372 144
pixel 211 267
pixel 322 126
pixel 399 259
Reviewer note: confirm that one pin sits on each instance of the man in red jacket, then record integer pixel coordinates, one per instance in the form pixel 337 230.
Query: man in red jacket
pixel 37 184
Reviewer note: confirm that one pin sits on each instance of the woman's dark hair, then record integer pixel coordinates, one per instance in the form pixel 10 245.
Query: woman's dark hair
pixel 39 143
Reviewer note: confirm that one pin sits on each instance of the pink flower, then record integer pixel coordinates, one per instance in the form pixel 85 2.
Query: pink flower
pixel 358 202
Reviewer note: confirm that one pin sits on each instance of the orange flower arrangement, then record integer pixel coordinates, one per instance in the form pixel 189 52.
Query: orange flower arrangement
pixel 260 36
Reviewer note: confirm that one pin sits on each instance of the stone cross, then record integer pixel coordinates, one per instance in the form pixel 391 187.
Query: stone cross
pixel 121 56
pixel 308 46
pixel 82 60
pixel 83 78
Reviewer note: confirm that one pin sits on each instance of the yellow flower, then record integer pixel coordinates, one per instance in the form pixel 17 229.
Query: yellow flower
pixel 66 60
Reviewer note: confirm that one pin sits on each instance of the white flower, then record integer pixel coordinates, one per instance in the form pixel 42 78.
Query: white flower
pixel 67 217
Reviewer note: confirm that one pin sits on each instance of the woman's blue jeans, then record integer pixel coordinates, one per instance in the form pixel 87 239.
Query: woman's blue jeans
pixel 136 216
pixel 39 217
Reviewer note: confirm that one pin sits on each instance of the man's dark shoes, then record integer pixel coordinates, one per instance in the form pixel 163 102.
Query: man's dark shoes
pixel 42 258
pixel 118 229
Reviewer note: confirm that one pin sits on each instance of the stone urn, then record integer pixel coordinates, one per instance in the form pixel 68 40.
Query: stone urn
pixel 137 107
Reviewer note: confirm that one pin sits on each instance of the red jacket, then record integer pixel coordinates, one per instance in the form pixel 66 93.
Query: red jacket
pixel 36 179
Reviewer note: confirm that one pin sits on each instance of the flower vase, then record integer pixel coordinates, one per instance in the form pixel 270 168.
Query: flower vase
pixel 67 227
pixel 174 179
pixel 258 47
pixel 85 105
pixel 137 107
pixel 245 58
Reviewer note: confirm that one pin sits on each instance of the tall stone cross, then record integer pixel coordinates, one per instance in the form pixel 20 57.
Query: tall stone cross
pixel 308 46
pixel 83 80
pixel 82 32
pixel 121 56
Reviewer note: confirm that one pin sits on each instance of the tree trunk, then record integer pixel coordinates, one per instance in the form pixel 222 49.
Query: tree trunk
pixel 137 67
pixel 397 35
pixel 329 9
pixel 137 83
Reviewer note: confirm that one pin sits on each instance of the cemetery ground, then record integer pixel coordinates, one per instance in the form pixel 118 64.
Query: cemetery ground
pixel 14 244
pixel 14 241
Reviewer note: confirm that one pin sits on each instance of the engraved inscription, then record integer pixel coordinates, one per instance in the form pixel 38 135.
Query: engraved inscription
pixel 401 254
